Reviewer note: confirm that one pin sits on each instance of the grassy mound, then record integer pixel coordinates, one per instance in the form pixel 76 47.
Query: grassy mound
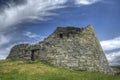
pixel 25 70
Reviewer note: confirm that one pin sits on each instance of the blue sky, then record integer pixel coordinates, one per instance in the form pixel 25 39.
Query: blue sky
pixel 30 21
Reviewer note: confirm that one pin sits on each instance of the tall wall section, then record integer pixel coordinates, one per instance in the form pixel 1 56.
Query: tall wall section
pixel 68 47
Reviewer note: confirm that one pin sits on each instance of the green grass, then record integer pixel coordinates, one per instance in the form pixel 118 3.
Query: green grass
pixel 25 70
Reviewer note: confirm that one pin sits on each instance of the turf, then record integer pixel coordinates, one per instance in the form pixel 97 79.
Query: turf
pixel 26 70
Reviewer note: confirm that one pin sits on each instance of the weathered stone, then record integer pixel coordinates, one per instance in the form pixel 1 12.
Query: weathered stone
pixel 69 47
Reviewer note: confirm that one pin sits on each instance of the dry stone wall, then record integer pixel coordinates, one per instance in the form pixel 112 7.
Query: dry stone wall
pixel 68 47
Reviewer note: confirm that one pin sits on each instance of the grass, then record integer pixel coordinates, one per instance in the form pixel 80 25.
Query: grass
pixel 25 70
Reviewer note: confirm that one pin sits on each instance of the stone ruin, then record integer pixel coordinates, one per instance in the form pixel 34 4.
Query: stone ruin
pixel 68 47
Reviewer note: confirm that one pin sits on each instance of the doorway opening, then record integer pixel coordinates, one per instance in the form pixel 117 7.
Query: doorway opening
pixel 61 35
pixel 33 55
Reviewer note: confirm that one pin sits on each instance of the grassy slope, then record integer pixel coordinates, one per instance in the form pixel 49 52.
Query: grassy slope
pixel 24 70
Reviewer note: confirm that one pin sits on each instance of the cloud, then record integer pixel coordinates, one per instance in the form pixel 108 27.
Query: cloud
pixel 35 37
pixel 32 10
pixel 2 57
pixel 111 44
pixel 30 35
pixel 4 40
pixel 86 2
pixel 4 52
pixel 112 47
pixel 114 58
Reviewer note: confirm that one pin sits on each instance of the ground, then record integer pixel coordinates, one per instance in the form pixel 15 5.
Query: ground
pixel 27 70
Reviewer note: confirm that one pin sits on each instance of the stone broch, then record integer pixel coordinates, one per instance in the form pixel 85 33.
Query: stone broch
pixel 68 47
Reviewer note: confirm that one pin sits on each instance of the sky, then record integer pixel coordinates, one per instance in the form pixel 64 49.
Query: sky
pixel 30 21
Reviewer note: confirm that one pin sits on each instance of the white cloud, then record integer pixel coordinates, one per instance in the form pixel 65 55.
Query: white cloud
pixel 33 9
pixel 4 52
pixel 114 58
pixel 34 36
pixel 4 40
pixel 2 57
pixel 111 44
pixel 86 2
pixel 30 35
